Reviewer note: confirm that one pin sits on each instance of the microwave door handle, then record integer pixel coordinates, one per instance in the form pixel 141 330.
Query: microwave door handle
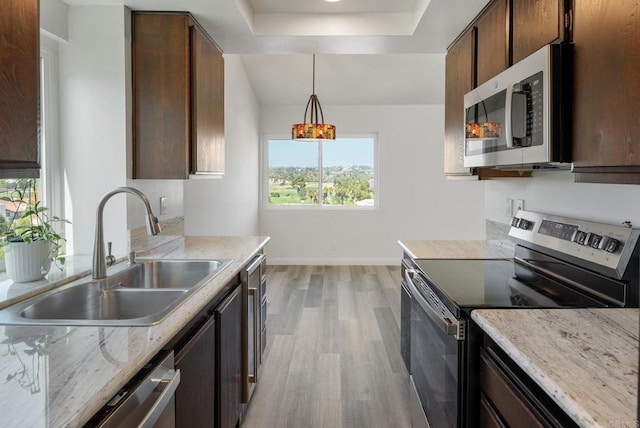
pixel 508 103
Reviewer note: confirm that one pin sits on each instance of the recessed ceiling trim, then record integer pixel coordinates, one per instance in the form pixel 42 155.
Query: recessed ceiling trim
pixel 335 24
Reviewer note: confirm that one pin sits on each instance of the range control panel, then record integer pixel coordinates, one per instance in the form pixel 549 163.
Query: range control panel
pixel 602 247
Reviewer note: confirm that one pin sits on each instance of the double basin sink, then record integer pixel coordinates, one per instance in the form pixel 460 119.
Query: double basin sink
pixel 142 294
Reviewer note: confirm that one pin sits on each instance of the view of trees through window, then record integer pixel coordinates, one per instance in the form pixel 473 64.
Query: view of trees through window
pixel 11 207
pixel 331 172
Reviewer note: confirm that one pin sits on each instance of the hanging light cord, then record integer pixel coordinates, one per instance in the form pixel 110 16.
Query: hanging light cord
pixel 313 102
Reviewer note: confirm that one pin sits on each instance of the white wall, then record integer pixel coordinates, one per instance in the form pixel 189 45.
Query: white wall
pixel 53 19
pixel 555 192
pixel 415 200
pixel 229 205
pixel 93 121
pixel 96 130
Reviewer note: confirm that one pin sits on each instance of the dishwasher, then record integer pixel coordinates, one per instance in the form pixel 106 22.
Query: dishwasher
pixel 148 400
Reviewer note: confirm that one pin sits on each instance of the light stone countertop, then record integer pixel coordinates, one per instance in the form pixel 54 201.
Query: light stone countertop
pixel 449 249
pixel 58 376
pixel 586 359
pixel 74 267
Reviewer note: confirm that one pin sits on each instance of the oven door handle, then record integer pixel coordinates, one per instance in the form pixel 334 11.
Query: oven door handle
pixel 449 325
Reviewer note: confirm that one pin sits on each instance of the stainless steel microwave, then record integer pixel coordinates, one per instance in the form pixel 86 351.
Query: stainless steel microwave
pixel 522 117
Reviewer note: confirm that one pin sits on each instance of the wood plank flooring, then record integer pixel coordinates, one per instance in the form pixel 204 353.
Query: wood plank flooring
pixel 333 350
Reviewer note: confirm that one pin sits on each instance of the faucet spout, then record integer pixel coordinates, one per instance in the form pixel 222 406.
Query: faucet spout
pixel 153 228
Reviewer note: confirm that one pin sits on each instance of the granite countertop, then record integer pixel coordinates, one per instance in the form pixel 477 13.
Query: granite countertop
pixel 489 249
pixel 586 359
pixel 55 376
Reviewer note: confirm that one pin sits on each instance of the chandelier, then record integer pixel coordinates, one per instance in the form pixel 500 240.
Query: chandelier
pixel 313 129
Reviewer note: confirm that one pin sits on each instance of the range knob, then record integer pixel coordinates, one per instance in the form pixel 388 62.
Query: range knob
pixel 524 224
pixel 610 245
pixel 595 240
pixel 580 237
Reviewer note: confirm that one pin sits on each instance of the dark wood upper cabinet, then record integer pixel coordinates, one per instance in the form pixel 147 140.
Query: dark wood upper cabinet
pixel 19 85
pixel 537 23
pixel 178 98
pixel 607 91
pixel 478 54
pixel 207 105
pixel 492 55
pixel 459 80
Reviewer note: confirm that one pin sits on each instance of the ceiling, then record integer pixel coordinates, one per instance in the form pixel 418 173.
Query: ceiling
pixel 368 51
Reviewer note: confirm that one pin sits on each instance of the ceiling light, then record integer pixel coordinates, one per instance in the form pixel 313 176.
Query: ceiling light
pixel 313 129
pixel 332 1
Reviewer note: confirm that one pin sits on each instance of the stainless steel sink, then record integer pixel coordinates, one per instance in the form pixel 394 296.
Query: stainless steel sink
pixel 141 294
pixel 166 273
pixel 89 303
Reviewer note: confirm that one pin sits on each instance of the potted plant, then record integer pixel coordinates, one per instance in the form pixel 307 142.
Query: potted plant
pixel 29 239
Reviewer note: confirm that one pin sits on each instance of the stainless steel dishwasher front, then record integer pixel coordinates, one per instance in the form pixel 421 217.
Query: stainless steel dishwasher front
pixel 147 401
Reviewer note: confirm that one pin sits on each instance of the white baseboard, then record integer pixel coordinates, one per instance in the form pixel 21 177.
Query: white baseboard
pixel 332 261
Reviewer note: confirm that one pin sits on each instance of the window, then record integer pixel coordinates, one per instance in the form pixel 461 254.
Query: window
pixel 338 172
pixel 47 187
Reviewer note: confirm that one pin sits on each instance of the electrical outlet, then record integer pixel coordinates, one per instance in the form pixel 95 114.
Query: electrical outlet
pixel 519 204
pixel 509 207
pixel 163 205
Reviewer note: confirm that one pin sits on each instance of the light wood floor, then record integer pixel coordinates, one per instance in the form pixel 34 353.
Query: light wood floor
pixel 333 351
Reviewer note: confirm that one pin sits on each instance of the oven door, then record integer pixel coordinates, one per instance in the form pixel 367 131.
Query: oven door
pixel 405 324
pixel 437 352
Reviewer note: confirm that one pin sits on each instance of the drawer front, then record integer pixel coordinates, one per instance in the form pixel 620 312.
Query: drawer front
pixel 488 416
pixel 508 402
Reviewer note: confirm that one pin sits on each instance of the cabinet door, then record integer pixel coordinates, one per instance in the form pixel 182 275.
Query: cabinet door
pixel 207 148
pixel 492 54
pixel 195 396
pixel 535 23
pixel 229 345
pixel 459 80
pixel 161 87
pixel 19 84
pixel 607 89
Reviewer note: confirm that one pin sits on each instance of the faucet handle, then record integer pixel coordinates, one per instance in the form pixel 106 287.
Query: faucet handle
pixel 111 260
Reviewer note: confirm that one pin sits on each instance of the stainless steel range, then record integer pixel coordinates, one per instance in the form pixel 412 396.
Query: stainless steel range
pixel 558 263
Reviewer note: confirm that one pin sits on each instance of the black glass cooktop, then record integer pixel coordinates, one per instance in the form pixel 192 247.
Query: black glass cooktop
pixel 472 284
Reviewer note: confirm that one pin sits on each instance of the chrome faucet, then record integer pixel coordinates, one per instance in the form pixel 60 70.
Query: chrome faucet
pixel 153 228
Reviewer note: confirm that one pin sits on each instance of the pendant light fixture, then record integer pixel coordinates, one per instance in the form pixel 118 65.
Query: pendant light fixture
pixel 313 129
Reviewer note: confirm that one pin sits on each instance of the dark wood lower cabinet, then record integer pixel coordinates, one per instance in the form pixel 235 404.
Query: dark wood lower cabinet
pixel 209 354
pixel 195 396
pixel 229 359
pixel 510 398
pixel 488 416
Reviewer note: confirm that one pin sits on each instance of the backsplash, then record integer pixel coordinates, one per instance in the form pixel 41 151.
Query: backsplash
pixel 497 231
pixel 172 229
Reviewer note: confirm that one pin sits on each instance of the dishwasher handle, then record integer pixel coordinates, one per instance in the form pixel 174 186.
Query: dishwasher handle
pixel 169 388
pixel 143 403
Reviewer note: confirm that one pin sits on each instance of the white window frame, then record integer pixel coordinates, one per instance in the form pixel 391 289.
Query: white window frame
pixel 51 173
pixel 264 187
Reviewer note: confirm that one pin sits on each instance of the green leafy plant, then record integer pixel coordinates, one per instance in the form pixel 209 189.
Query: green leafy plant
pixel 33 223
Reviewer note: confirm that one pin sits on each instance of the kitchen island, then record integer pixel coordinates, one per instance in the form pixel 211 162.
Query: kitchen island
pixel 57 376
pixel 585 359
pixel 457 249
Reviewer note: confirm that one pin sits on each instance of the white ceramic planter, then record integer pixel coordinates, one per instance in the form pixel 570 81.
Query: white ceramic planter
pixel 27 262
